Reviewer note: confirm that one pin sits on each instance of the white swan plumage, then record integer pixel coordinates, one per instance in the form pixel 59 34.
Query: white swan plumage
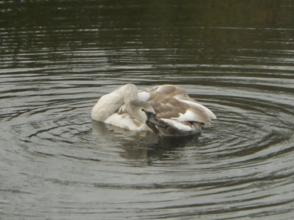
pixel 166 110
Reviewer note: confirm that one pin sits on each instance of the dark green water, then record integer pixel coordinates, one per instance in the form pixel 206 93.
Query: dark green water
pixel 58 57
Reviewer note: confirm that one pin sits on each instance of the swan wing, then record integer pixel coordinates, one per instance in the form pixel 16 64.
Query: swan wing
pixel 173 102
pixel 178 125
pixel 200 109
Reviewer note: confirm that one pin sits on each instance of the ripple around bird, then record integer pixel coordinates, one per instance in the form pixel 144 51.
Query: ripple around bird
pixel 57 163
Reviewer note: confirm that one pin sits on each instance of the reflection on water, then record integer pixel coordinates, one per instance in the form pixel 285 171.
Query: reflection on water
pixel 58 57
pixel 142 147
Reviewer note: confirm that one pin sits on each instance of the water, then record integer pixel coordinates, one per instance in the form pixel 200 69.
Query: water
pixel 58 57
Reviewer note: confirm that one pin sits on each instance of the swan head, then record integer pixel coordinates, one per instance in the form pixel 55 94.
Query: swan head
pixel 137 108
pixel 141 106
pixel 136 102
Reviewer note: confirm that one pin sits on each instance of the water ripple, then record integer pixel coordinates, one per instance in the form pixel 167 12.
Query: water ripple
pixel 57 163
pixel 243 161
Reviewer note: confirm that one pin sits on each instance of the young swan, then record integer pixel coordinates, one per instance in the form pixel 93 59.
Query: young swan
pixel 166 110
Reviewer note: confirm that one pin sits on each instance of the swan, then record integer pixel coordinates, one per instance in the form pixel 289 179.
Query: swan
pixel 166 110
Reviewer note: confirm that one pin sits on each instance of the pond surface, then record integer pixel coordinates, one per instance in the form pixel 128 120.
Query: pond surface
pixel 58 57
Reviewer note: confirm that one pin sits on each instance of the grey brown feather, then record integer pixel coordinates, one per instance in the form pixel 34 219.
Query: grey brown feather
pixel 164 129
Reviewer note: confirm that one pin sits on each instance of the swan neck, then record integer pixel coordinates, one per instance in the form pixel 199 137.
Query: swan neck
pixel 132 103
